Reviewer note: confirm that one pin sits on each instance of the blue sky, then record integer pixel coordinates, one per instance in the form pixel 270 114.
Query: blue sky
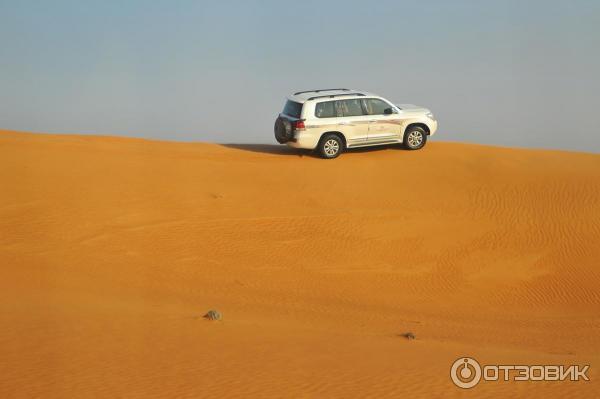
pixel 509 73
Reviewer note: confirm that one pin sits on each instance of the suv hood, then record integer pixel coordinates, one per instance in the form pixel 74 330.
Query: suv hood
pixel 412 108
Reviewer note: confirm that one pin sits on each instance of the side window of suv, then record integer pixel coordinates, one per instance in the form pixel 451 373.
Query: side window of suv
pixel 350 107
pixel 375 106
pixel 326 109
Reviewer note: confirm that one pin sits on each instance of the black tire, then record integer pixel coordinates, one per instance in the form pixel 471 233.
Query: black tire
pixel 330 146
pixel 415 138
pixel 283 130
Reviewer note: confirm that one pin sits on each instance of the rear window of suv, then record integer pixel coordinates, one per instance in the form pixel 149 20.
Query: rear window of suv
pixel 351 107
pixel 293 109
pixel 326 109
pixel 332 109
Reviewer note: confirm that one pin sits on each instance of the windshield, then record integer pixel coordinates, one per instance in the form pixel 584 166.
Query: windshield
pixel 292 109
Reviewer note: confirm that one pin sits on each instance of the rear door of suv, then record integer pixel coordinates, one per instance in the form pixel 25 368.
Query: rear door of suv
pixel 285 124
pixel 353 121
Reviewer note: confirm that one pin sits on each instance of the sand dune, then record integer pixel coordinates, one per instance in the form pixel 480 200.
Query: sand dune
pixel 112 249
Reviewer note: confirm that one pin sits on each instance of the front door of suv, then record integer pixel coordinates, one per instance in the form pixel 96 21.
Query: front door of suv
pixel 384 126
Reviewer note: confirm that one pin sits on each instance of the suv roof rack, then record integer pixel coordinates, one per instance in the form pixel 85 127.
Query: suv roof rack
pixel 318 91
pixel 336 95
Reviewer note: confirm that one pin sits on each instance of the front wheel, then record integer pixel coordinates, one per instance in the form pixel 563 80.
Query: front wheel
pixel 415 138
pixel 330 146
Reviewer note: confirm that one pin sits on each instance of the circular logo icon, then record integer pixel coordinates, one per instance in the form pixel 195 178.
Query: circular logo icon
pixel 465 372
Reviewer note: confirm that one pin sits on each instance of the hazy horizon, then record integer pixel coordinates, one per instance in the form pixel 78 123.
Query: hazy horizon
pixel 512 74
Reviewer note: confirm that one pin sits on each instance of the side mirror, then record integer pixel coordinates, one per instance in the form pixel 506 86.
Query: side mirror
pixel 388 111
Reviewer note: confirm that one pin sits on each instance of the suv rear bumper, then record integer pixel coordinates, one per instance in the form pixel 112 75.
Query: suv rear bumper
pixel 304 139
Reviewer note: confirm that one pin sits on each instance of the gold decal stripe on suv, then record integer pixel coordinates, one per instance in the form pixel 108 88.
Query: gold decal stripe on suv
pixel 349 123
pixel 392 121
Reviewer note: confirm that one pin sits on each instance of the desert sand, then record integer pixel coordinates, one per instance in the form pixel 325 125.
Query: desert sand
pixel 112 249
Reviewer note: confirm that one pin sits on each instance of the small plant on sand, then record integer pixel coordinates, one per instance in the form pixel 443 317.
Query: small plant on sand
pixel 408 335
pixel 213 315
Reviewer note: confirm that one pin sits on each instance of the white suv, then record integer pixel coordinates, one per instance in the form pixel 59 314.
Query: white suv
pixel 331 120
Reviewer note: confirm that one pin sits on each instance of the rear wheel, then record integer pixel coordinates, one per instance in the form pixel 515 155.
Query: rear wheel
pixel 330 146
pixel 415 138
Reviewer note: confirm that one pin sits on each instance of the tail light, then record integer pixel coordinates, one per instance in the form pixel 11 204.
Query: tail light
pixel 299 125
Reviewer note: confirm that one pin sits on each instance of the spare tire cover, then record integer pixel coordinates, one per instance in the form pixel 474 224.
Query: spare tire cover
pixel 283 130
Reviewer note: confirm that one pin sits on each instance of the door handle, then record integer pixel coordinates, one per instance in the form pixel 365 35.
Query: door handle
pixel 373 120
